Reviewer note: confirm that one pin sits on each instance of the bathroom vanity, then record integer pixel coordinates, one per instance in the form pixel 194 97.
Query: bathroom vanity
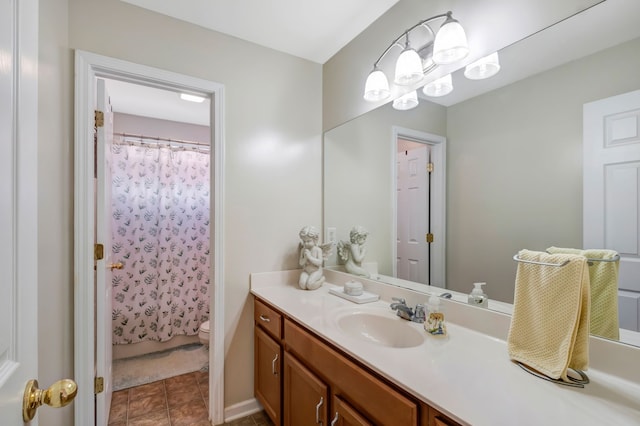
pixel 320 359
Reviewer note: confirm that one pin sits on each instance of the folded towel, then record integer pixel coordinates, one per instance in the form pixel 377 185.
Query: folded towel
pixel 549 329
pixel 604 290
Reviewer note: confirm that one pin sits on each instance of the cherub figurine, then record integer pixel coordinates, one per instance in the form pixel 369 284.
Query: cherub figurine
pixel 352 253
pixel 312 256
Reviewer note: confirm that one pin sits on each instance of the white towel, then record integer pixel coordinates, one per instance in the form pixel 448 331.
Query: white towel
pixel 549 329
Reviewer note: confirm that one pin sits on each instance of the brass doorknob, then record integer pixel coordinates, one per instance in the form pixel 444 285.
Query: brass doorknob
pixel 57 395
pixel 118 265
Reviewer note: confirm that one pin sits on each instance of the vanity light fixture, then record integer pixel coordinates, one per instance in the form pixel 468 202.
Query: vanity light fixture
pixel 483 68
pixel 191 98
pixel 447 45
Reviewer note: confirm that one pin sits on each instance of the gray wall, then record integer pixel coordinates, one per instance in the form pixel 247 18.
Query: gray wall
pixel 514 166
pixel 357 174
pixel 273 133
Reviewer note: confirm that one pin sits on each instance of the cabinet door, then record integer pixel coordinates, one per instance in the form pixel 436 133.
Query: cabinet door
pixel 305 396
pixel 267 374
pixel 345 415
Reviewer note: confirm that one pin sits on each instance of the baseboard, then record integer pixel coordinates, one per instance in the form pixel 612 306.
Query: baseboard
pixel 241 409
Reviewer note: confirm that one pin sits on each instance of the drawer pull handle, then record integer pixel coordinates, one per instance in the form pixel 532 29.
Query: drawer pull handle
pixel 265 319
pixel 334 422
pixel 273 365
pixel 318 410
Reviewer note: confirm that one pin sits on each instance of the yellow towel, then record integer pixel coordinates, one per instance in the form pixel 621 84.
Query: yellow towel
pixel 549 329
pixel 604 290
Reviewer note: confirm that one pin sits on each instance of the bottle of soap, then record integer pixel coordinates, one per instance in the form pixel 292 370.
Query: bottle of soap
pixel 434 323
pixel 478 296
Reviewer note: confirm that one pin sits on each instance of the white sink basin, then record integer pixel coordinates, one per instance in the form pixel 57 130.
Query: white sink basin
pixel 380 328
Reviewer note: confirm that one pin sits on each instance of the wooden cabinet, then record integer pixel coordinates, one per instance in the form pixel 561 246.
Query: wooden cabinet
pixel 306 397
pixel 345 415
pixel 267 371
pixel 267 381
pixel 303 380
pixel 371 396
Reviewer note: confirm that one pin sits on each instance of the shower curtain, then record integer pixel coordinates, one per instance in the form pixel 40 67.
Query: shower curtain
pixel 160 230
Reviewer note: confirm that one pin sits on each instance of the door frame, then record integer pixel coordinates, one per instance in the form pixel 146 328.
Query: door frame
pixel 89 66
pixel 438 197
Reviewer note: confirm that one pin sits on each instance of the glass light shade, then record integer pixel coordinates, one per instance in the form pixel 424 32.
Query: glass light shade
pixel 406 101
pixel 440 87
pixel 408 68
pixel 377 87
pixel 450 44
pixel 483 68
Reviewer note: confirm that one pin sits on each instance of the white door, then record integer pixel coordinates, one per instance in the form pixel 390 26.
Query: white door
pixel 611 191
pixel 104 139
pixel 18 209
pixel 413 213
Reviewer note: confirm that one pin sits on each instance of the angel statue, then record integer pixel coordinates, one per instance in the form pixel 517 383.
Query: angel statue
pixel 312 255
pixel 352 253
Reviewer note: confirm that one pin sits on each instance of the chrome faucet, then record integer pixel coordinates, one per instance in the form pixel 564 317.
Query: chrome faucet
pixel 405 312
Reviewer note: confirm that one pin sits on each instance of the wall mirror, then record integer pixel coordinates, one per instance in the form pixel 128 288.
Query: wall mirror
pixel 513 151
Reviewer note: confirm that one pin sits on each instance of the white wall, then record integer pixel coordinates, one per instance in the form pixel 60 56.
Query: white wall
pixel 153 127
pixel 272 155
pixel 55 206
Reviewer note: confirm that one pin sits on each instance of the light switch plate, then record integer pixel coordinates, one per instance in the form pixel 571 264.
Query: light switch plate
pixel 331 235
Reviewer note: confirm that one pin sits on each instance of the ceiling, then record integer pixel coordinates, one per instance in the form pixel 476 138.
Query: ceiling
pixel 572 39
pixel 313 30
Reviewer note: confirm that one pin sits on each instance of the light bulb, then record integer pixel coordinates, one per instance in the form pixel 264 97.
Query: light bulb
pixel 483 68
pixel 440 87
pixel 406 101
pixel 377 87
pixel 450 44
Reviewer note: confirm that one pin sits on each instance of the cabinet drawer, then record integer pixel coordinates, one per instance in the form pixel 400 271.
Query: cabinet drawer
pixel 368 394
pixel 267 318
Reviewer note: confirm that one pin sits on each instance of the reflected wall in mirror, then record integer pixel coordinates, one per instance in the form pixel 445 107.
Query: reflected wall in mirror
pixel 514 154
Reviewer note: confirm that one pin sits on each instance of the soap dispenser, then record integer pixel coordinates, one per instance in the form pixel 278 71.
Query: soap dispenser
pixel 478 297
pixel 434 323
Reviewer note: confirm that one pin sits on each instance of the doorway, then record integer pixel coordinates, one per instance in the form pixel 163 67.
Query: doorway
pixel 419 206
pixel 90 68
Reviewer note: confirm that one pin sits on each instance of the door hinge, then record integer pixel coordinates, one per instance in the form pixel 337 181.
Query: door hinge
pixel 429 237
pixel 99 118
pixel 430 167
pixel 98 385
pixel 98 252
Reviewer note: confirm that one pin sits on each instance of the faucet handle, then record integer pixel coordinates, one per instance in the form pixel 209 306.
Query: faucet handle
pixel 419 313
pixel 399 300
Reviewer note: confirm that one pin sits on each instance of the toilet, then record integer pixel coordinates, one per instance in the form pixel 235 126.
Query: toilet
pixel 203 333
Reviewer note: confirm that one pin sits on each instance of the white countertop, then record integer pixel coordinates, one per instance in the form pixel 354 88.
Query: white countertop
pixel 468 376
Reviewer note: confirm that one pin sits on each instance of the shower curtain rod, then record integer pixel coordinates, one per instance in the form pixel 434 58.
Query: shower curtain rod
pixel 159 139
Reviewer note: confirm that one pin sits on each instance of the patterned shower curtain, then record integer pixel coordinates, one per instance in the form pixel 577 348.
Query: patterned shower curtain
pixel 160 228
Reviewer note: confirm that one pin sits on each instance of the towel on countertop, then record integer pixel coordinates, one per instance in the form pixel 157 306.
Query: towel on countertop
pixel 604 290
pixel 549 329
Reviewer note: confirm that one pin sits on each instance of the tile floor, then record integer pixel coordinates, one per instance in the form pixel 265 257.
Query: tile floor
pixel 176 401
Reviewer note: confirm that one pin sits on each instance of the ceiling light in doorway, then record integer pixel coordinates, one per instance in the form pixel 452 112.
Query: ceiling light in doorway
pixel 191 98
